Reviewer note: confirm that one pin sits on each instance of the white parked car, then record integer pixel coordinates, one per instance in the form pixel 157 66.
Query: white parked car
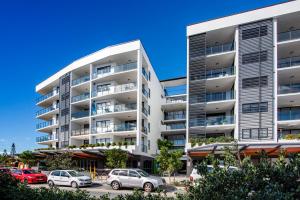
pixel 194 175
pixel 134 178
pixel 68 178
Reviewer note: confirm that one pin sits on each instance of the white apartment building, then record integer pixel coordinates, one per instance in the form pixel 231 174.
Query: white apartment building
pixel 244 80
pixel 110 96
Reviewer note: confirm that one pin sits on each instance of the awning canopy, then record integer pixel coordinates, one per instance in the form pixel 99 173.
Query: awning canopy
pixel 246 149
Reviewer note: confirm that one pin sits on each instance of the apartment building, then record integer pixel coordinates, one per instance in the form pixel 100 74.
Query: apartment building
pixel 104 98
pixel 243 79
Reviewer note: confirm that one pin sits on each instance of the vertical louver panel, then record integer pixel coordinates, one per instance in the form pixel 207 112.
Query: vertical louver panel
pixel 197 92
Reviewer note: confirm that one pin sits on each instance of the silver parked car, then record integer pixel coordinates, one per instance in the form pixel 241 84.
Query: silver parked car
pixel 68 178
pixel 134 178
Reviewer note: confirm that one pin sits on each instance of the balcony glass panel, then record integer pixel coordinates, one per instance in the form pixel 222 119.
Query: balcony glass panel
pixel 114 128
pixel 289 62
pixel 80 114
pixel 115 69
pixel 44 138
pixel 46 96
pixel 289 114
pixel 45 124
pixel 175 126
pixel 211 121
pixel 291 88
pixel 176 99
pixel 145 111
pixel 145 92
pixel 219 96
pixel 214 73
pixel 220 48
pixel 289 35
pixel 114 108
pixel 114 89
pixel 83 131
pixel 80 80
pixel 81 97
pixel 46 110
pixel 145 74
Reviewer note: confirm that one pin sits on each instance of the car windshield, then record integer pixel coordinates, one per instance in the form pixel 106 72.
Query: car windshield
pixel 30 172
pixel 142 173
pixel 74 173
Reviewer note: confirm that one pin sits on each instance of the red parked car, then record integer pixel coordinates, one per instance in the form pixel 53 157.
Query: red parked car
pixel 4 170
pixel 29 176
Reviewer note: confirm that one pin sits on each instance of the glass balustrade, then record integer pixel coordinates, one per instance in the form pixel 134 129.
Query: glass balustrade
pixel 220 48
pixel 289 62
pixel 176 99
pixel 114 128
pixel 221 72
pixel 212 121
pixel 116 69
pixel 82 131
pixel 114 108
pixel 289 114
pixel 47 96
pixel 289 35
pixel 80 114
pixel 81 97
pixel 291 88
pixel 145 74
pixel 46 124
pixel 46 110
pixel 175 126
pixel 44 138
pixel 80 80
pixel 145 92
pixel 176 116
pixel 114 89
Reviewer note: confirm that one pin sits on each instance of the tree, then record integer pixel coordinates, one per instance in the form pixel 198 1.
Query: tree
pixel 27 157
pixel 169 161
pixel 116 158
pixel 60 161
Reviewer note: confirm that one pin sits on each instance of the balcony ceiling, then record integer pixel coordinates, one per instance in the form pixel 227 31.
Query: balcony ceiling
pixel 220 83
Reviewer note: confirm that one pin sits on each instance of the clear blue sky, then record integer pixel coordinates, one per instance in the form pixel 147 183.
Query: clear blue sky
pixel 37 38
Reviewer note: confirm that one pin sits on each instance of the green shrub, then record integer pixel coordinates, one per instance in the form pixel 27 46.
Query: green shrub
pixel 120 143
pixel 131 142
pixel 113 144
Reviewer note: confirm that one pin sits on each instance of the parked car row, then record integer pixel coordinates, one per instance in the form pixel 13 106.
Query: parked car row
pixel 117 178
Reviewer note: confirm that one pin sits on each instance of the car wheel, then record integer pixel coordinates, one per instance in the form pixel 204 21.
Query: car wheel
pixel 51 184
pixel 74 184
pixel 115 185
pixel 148 187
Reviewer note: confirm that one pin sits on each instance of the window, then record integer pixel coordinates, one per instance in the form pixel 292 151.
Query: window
pixel 246 133
pixel 148 110
pixel 254 57
pixel 254 32
pixel 103 70
pixel 65 112
pixel 55 173
pixel 255 107
pixel 148 144
pixel 123 173
pixel 133 174
pixel 104 140
pixel 255 133
pixel 115 172
pixel 263 133
pixel 149 76
pixel 149 92
pixel 149 126
pixel 254 82
pixel 64 174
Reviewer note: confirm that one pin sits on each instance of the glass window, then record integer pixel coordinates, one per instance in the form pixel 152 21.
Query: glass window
pixel 115 172
pixel 123 173
pixel 64 174
pixel 263 133
pixel 103 70
pixel 246 133
pixel 254 133
pixel 133 174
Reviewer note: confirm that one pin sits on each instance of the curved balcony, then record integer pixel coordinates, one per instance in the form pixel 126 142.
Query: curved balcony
pixel 80 80
pixel 115 70
pixel 47 111
pixel 46 125
pixel 47 96
pixel 45 139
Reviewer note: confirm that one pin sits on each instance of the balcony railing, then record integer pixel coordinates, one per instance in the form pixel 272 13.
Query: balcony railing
pixel 175 116
pixel 44 138
pixel 289 62
pixel 216 96
pixel 82 131
pixel 176 99
pixel 177 142
pixel 47 96
pixel 214 73
pixel 220 48
pixel 145 74
pixel 144 148
pixel 212 121
pixel 81 97
pixel 292 88
pixel 289 35
pixel 114 128
pixel 115 108
pixel 46 110
pixel 145 92
pixel 291 115
pixel 116 69
pixel 80 114
pixel 114 89
pixel 80 80
pixel 145 130
pixel 46 124
pixel 145 111
pixel 175 126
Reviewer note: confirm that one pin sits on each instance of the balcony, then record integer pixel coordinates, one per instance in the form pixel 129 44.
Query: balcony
pixel 289 62
pixel 212 121
pixel 80 114
pixel 46 111
pixel 290 88
pixel 80 132
pixel 175 116
pixel 289 114
pixel 115 109
pixel 289 35
pixel 145 74
pixel 172 128
pixel 46 124
pixel 80 80
pixel 218 73
pixel 116 69
pixel 215 96
pixel 44 138
pixel 175 126
pixel 221 48
pixel 176 99
pixel 114 90
pixel 145 111
pixel 144 148
pixel 145 93
pixel 115 128
pixel 81 97
pixel 47 96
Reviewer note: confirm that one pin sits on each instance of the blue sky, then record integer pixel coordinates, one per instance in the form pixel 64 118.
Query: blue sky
pixel 37 38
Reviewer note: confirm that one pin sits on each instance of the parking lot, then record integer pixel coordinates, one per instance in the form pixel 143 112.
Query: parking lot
pixel 100 188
